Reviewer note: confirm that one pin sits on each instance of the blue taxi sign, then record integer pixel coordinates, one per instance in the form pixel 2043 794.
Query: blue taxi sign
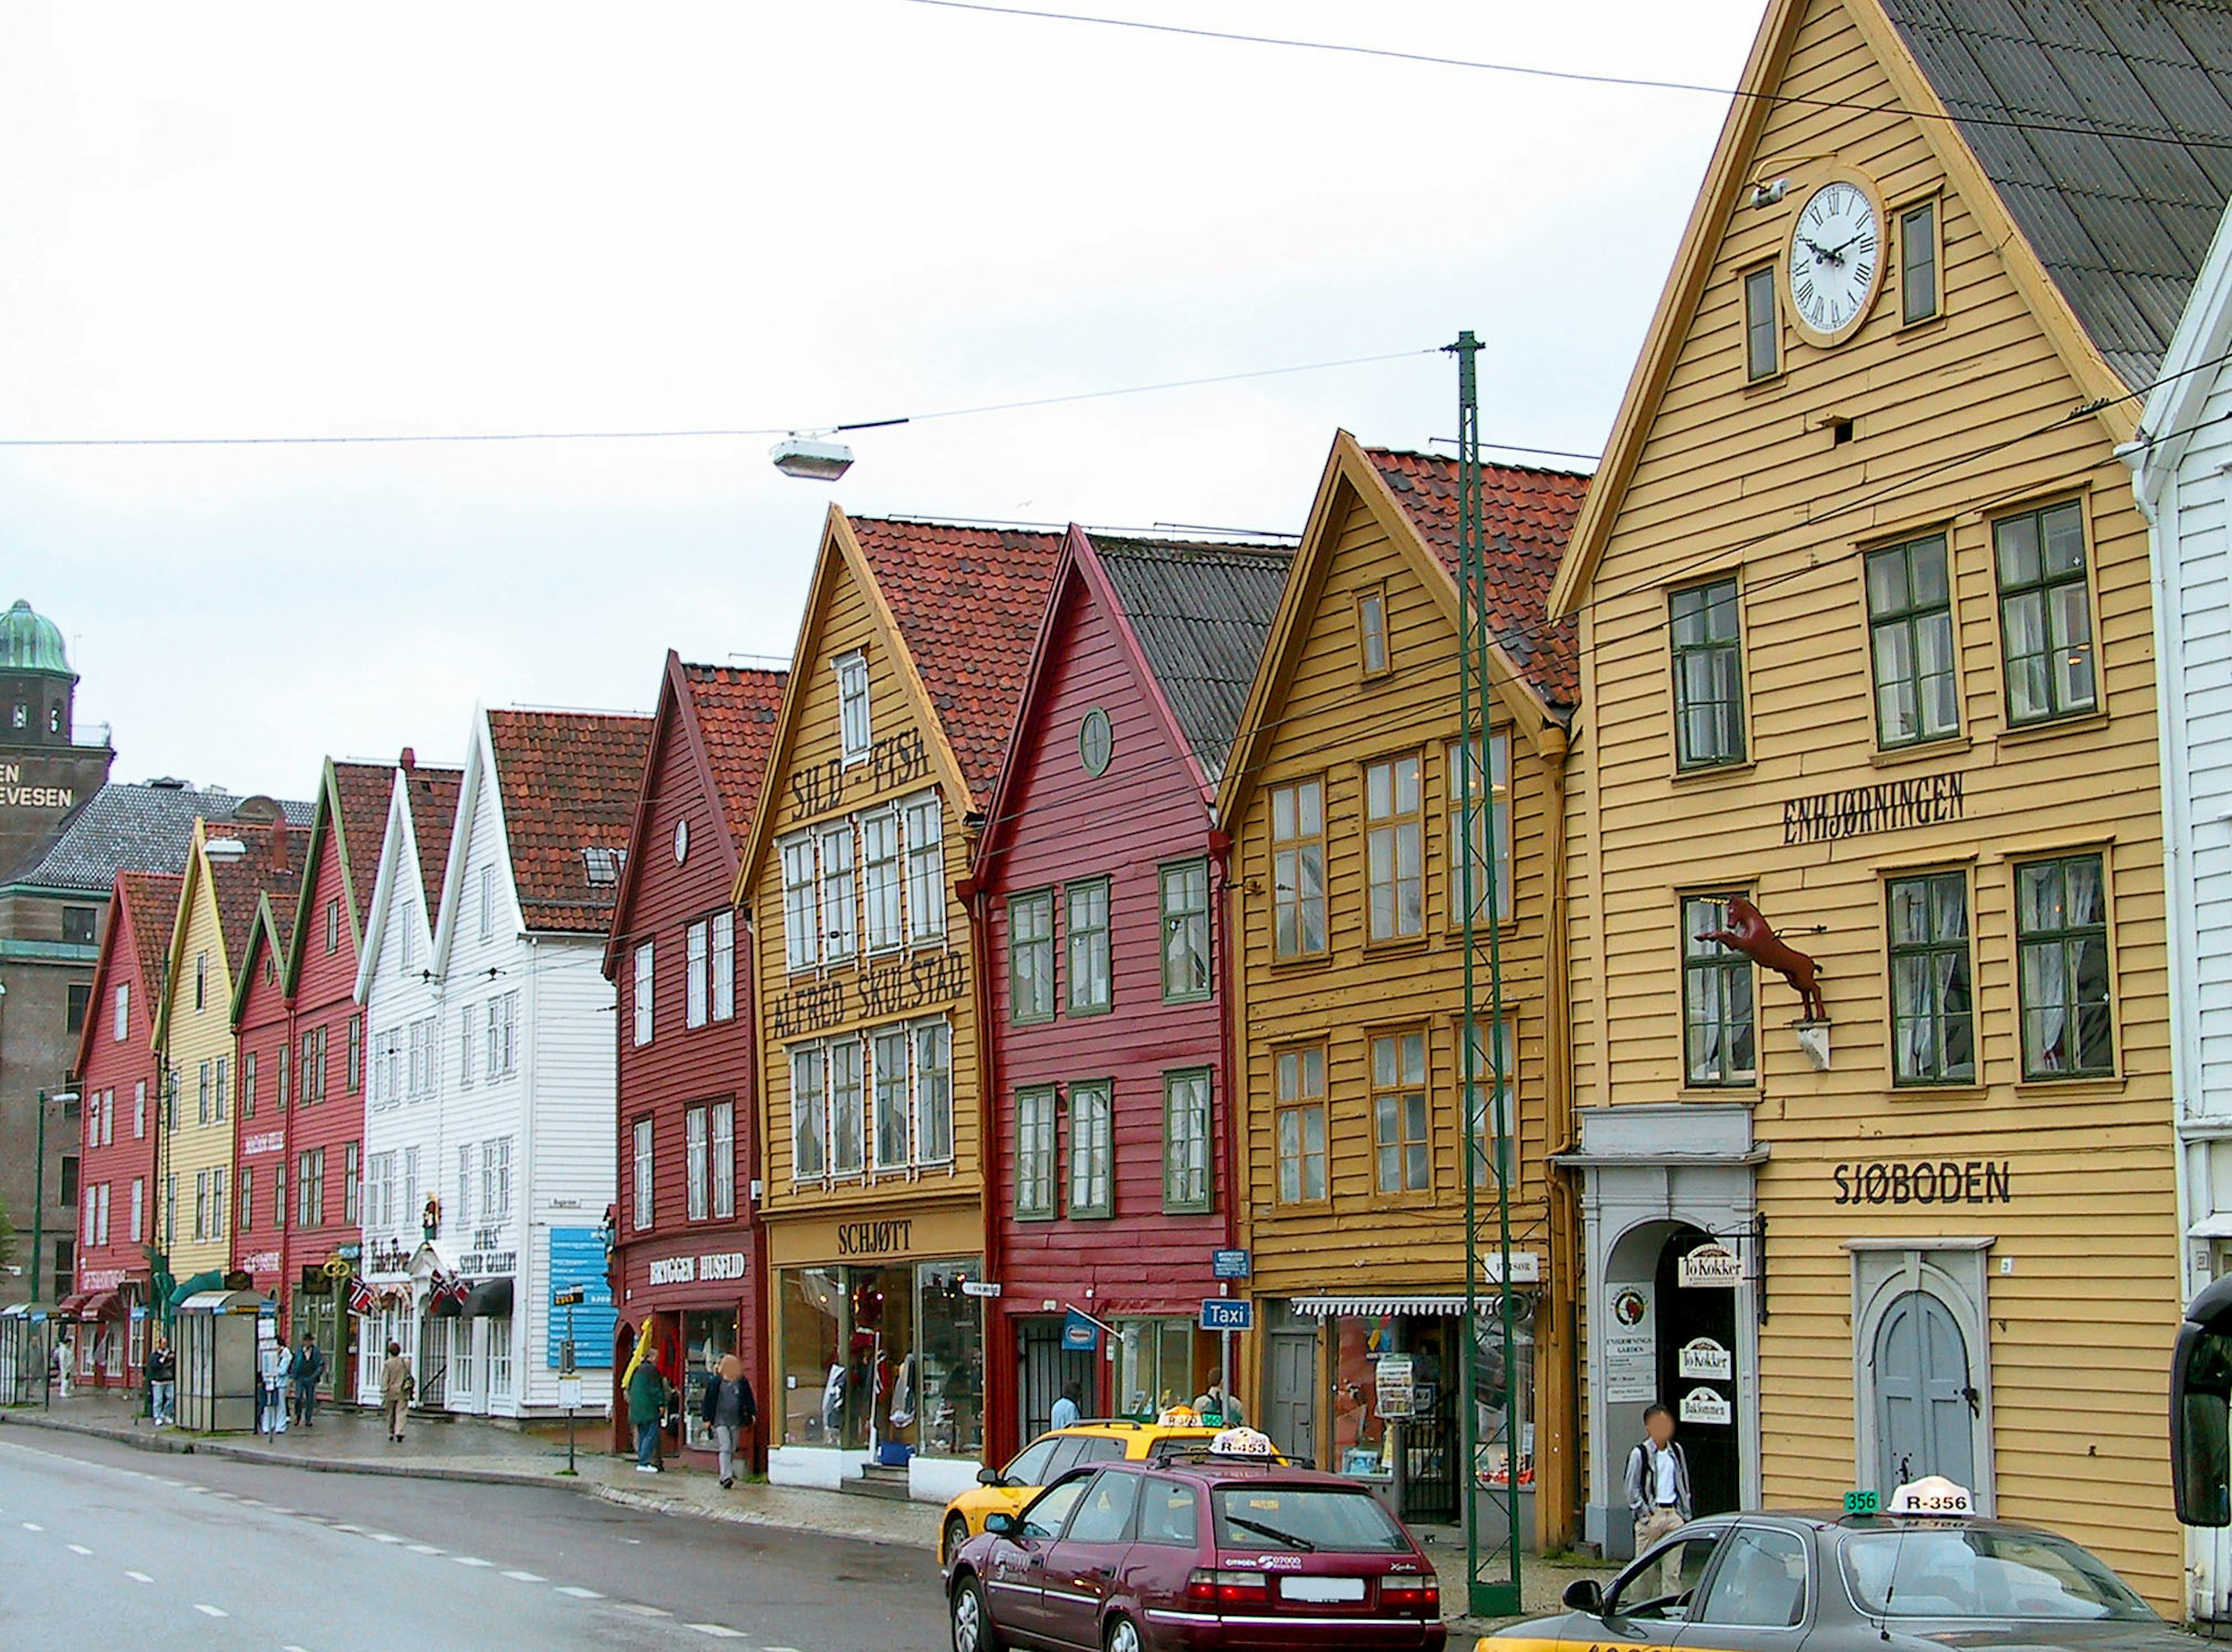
pixel 1228 1313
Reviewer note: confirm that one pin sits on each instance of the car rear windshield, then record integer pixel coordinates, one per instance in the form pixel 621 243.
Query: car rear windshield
pixel 1305 1518
pixel 1937 1572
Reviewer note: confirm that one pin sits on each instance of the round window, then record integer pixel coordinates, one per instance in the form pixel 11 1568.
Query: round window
pixel 1096 742
pixel 681 839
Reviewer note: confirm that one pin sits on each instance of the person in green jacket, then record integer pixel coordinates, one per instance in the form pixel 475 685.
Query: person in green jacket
pixel 646 1398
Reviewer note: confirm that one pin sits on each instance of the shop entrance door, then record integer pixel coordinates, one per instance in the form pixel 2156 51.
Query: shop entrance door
pixel 1043 1369
pixel 1697 1329
pixel 1430 1445
pixel 1925 1405
pixel 1290 1411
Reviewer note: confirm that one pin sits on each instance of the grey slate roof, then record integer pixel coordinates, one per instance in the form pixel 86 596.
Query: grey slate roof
pixel 2121 219
pixel 1202 614
pixel 135 827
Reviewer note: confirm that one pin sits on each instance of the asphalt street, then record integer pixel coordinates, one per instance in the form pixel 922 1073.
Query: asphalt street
pixel 103 1545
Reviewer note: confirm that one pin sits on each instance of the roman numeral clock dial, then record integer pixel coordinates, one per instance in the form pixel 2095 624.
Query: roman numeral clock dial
pixel 1835 259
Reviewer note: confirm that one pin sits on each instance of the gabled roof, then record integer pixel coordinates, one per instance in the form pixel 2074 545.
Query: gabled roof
pixel 270 929
pixel 433 793
pixel 352 813
pixel 568 781
pixel 2203 335
pixel 241 884
pixel 967 602
pixel 2082 113
pixel 137 827
pixel 143 905
pixel 1527 514
pixel 415 838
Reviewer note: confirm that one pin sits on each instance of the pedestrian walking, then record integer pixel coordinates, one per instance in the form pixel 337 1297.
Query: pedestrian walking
pixel 1658 1480
pixel 397 1386
pixel 646 1398
pixel 729 1411
pixel 309 1366
pixel 1065 1412
pixel 273 1364
pixel 162 1382
pixel 64 1358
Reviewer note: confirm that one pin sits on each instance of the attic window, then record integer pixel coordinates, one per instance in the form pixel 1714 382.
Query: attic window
pixel 602 866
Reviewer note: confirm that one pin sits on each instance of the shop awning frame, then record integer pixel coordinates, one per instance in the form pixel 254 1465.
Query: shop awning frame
pixel 1450 1306
pixel 489 1299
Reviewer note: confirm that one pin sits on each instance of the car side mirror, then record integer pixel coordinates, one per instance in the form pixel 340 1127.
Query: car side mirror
pixel 1585 1594
pixel 1001 1524
pixel 988 1476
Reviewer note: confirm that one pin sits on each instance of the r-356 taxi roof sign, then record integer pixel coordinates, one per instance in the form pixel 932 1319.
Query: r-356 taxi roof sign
pixel 1933 1495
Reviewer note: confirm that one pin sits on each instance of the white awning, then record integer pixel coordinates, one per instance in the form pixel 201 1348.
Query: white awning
pixel 1371 1308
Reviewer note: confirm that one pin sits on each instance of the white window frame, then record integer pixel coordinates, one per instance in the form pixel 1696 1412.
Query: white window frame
pixel 488 904
pixel 643 989
pixel 139 1209
pixel 838 894
pixel 848 1133
pixel 499 1358
pixel 642 1144
pixel 697 942
pixel 883 880
pixel 121 1015
pixel 464 1211
pixel 696 1145
pixel 139 1110
pixel 802 904
pixel 892 1087
pixel 933 1094
pixel 810 1113
pixel 724 964
pixel 924 816
pixel 724 1159
pixel 854 729
pixel 467 1037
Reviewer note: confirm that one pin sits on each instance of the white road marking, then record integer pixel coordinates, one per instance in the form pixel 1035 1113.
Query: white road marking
pixel 210 1611
pixel 383 1537
pixel 471 1560
pixel 579 1593
pixel 32 1526
pixel 276 1509
pixel 343 1526
pixel 140 1576
pixel 77 1548
pixel 231 1497
pixel 719 1631
pixel 293 1649
pixel 424 1548
pixel 641 1609
pixel 527 1577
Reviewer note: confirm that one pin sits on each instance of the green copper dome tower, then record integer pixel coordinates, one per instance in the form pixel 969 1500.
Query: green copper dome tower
pixel 38 691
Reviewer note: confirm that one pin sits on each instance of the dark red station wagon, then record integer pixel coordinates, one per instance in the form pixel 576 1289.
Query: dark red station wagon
pixel 1214 1551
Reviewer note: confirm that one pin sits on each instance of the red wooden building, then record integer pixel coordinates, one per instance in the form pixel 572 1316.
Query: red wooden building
pixel 120 1092
pixel 263 1027
pixel 1103 967
pixel 689 1268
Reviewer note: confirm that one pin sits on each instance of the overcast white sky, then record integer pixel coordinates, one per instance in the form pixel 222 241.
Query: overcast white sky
pixel 281 219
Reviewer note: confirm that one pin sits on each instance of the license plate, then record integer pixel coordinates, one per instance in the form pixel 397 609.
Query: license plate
pixel 1321 1591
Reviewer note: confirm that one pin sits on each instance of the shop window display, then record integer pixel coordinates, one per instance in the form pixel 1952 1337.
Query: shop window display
pixel 1155 1367
pixel 875 1355
pixel 707 1335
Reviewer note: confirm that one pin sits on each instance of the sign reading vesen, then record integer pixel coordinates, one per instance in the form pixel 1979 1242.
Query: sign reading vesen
pixel 1931 800
pixel 16 796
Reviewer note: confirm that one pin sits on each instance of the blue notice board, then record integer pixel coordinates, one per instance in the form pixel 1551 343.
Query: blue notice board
pixel 577 1262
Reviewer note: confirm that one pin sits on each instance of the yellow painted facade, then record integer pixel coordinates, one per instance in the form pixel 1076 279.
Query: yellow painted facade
pixel 2020 1220
pixel 194 1034
pixel 1331 1041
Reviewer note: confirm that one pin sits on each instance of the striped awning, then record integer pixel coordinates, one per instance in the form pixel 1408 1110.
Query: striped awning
pixel 1373 1307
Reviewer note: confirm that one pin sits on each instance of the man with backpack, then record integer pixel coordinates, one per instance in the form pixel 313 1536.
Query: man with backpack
pixel 729 1411
pixel 1658 1480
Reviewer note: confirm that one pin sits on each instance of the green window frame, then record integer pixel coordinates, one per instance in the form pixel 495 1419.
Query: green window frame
pixel 1910 652
pixel 1085 906
pixel 1092 1148
pixel 1719 1009
pixel 1034 1159
pixel 2063 968
pixel 1401 1137
pixel 2046 613
pixel 1707 638
pixel 1186 970
pixel 1933 1015
pixel 1298 870
pixel 1187 1151
pixel 1030 957
pixel 1301 1125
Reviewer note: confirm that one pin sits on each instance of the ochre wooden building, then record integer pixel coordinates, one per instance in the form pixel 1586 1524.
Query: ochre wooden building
pixel 1866 641
pixel 1342 799
pixel 902 692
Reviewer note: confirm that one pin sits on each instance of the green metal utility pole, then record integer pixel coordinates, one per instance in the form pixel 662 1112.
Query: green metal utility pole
pixel 1492 1568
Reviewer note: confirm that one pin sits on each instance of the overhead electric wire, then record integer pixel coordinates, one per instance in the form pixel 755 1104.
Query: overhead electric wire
pixel 1638 83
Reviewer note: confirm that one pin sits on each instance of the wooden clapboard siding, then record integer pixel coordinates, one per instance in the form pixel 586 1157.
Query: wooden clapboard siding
pixel 1956 421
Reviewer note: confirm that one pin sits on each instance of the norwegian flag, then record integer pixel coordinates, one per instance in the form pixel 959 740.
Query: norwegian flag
pixel 456 1288
pixel 361 1301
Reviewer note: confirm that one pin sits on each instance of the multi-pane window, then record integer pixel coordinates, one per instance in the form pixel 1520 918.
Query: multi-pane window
pixel 1092 1152
pixel 697 950
pixel 1709 721
pixel 801 933
pixel 1035 1149
pixel 1933 1036
pixel 496 1178
pixel 1718 1029
pixel 643 993
pixel 285 1076
pixel 310 1189
pixel 810 1113
pixel 645 1189
pixel 220 1179
pixel 411 1208
pixel 201 1205
pixel 202 1098
pixel 121 1019
pixel 1301 1122
pixel 352 1165
pixel 893 1125
pixel 724 1158
pixel 1030 955
pixel 2045 613
pixel 310 1078
pixel 848 1109
pixel 853 706
pixel 1491 823
pixel 1917 263
pixel 201 981
pixel 279 1195
pixel 1185 1140
pixel 1186 930
pixel 247 1219
pixel 224 1086
pixel 724 964
pixel 924 818
pixel 839 917
pixel 933 1086
pixel 139 1209
pixel 880 880
pixel 1087 927
pixel 332 926
pixel 502 1047
pixel 1372 631
pixel 1298 869
pixel 248 1084
pixel 170 1208
pixel 2061 942
pixel 1762 326
pixel 355 1054
pixel 696 1145
pixel 465 1210
pixel 425 1067
pixel 1404 1162
pixel 1911 642
pixel 488 904
pixel 1487 1103
pixel 139 1110
pixel 1394 849
pixel 410 927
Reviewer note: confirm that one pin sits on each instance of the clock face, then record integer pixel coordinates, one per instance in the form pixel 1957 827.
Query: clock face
pixel 1834 263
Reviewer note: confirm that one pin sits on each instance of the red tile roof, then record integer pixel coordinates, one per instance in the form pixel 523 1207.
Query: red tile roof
pixel 152 898
pixel 569 781
pixel 736 709
pixel 364 789
pixel 968 601
pixel 238 882
pixel 1526 515
pixel 433 797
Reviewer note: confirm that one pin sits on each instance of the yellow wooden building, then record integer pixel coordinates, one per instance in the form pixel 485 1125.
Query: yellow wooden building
pixel 1866 641
pixel 1343 800
pixel 228 868
pixel 908 672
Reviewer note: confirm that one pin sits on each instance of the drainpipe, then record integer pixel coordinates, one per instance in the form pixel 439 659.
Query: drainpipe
pixel 1223 944
pixel 1557 1463
pixel 997 1388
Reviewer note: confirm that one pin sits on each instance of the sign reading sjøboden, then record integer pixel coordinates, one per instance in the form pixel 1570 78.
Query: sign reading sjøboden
pixel 577 1263
pixel 1228 1313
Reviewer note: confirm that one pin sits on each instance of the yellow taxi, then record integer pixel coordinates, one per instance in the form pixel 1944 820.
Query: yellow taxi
pixel 1053 1455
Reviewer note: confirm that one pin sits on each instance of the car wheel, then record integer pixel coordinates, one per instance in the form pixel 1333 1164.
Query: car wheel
pixel 1123 1636
pixel 972 1623
pixel 956 1534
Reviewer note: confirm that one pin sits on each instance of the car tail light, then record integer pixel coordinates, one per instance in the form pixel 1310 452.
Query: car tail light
pixel 1210 1588
pixel 1410 1589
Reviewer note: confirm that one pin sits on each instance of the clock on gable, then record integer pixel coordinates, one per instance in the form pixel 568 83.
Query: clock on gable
pixel 1835 265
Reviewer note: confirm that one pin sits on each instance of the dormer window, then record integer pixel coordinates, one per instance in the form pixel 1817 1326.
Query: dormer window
pixel 853 705
pixel 602 866
pixel 1372 631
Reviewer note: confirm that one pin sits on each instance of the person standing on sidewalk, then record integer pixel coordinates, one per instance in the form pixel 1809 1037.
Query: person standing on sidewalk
pixel 396 1383
pixel 271 1367
pixel 646 1396
pixel 309 1366
pixel 729 1410
pixel 162 1382
pixel 1658 1480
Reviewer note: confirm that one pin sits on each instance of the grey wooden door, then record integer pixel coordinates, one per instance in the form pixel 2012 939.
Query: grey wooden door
pixel 1290 1411
pixel 1925 1403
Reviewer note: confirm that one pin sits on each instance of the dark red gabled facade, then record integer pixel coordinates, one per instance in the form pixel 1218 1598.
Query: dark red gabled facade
pixel 262 1024
pixel 688 1266
pixel 1161 640
pixel 119 1109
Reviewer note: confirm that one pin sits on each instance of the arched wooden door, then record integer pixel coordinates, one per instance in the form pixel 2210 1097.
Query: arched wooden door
pixel 1926 1404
